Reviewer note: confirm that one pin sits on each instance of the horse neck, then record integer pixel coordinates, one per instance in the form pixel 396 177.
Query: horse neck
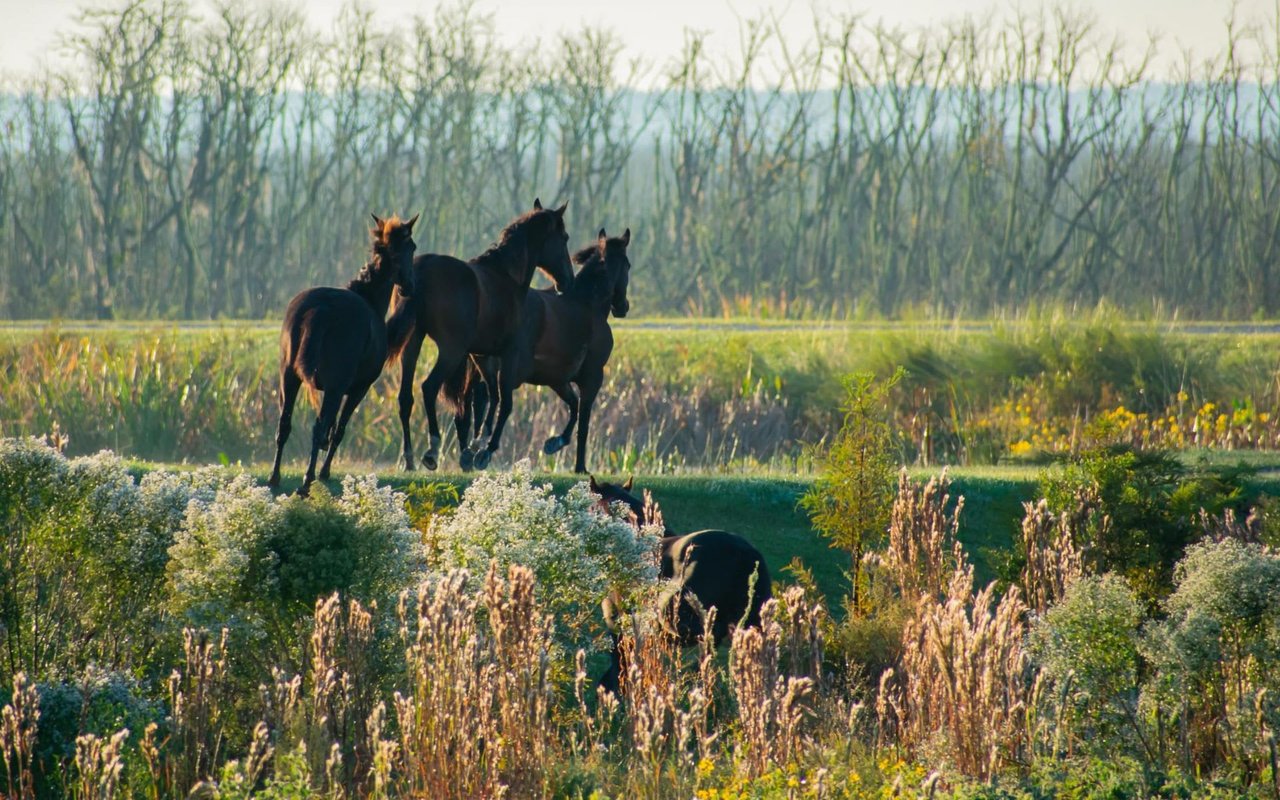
pixel 512 260
pixel 375 290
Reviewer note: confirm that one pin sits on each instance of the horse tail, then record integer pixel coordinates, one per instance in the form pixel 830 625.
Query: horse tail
pixel 458 385
pixel 308 355
pixel 400 325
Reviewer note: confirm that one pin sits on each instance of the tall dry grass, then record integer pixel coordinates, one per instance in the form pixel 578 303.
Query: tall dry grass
pixel 474 721
pixel 922 550
pixel 959 694
pixel 1054 559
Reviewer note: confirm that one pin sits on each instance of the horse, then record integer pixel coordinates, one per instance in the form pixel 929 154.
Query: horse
pixel 715 568
pixel 335 341
pixel 474 307
pixel 564 339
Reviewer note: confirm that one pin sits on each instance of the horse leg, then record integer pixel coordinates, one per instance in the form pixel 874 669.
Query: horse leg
pixel 588 389
pixel 557 443
pixel 354 396
pixel 448 360
pixel 321 434
pixel 462 424
pixel 487 407
pixel 408 364
pixel 289 385
pixel 506 388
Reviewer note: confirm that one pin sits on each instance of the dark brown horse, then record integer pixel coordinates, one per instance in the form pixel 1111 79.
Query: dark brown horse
pixel 715 568
pixel 335 341
pixel 564 339
pixel 474 307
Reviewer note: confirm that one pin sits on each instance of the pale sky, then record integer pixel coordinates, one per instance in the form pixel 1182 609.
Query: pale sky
pixel 653 29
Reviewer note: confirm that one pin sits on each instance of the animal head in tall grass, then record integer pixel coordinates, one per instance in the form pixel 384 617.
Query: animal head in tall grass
pixel 393 248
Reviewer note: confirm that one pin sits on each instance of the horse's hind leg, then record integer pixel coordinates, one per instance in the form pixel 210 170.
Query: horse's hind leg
pixel 448 360
pixel 353 399
pixel 462 424
pixel 321 434
pixel 289 385
pixel 408 365
pixel 557 443
pixel 506 388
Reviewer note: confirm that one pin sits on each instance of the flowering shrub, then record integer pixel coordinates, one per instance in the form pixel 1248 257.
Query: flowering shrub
pixel 84 557
pixel 577 552
pixel 256 563
pixel 1087 646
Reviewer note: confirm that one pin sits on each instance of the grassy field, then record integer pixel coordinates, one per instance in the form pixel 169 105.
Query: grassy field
pixel 729 396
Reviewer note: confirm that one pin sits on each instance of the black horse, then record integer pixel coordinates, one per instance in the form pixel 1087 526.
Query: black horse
pixel 473 307
pixel 718 569
pixel 564 339
pixel 335 341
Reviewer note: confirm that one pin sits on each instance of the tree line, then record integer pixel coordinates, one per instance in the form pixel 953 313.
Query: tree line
pixel 193 166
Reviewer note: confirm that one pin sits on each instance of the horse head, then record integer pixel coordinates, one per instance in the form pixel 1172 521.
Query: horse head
pixel 393 248
pixel 549 243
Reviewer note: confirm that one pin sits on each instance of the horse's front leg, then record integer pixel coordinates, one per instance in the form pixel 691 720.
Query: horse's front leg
pixel 557 443
pixel 588 388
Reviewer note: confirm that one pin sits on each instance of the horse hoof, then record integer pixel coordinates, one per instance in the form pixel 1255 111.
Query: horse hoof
pixel 482 459
pixel 553 445
pixel 274 481
pixel 467 460
pixel 430 461
pixel 304 490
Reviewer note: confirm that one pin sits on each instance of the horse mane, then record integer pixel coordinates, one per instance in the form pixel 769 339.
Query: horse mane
pixel 516 228
pixel 400 325
pixel 381 239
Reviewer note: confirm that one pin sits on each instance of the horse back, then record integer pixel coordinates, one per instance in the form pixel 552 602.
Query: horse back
pixel 330 336
pixel 466 304
pixel 720 569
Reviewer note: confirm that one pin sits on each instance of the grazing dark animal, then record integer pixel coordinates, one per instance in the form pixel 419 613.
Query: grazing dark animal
pixel 718 569
pixel 335 341
pixel 474 307
pixel 564 339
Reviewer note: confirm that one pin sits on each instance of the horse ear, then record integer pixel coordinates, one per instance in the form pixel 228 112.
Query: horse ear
pixel 376 221
pixel 631 481
pixel 377 231
pixel 537 204
pixel 409 224
pixel 603 235
pixel 560 210
pixel 626 237
pixel 595 487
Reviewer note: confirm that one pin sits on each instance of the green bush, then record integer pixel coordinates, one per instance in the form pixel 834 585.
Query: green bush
pixel 578 552
pixel 83 562
pixel 1145 509
pixel 1087 646
pixel 1213 658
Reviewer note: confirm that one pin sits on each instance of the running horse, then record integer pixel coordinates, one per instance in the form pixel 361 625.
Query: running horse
pixel 564 339
pixel 474 307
